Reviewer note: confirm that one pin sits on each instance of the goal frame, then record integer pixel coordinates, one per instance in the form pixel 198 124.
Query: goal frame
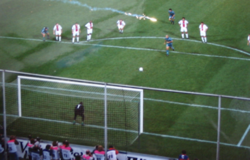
pixel 104 86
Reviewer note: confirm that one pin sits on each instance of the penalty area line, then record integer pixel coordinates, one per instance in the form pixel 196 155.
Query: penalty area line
pixel 85 43
pixel 244 135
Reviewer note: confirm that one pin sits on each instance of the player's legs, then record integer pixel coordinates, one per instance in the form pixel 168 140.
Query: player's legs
pixel 60 38
pixel 182 35
pixel 89 33
pixel 186 31
pixel 47 35
pixel 167 50
pixel 202 37
pixel 187 35
pixel 75 115
pixel 73 37
pixel 43 34
pixel 82 115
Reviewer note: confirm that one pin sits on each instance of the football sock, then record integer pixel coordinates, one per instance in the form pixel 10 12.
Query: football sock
pixel 205 39
pixel 60 38
pixel 90 37
pixel 44 38
pixel 77 39
pixel 172 48
pixel 182 35
pixel 73 40
pixel 167 52
pixel 186 35
pixel 56 37
pixel 202 39
pixel 87 37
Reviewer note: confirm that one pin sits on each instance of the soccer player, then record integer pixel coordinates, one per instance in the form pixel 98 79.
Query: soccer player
pixel 169 43
pixel 76 29
pixel 57 30
pixel 87 156
pixel 44 32
pixel 89 27
pixel 171 16
pixel 183 24
pixel 203 29
pixel 120 24
pixel 79 110
pixel 248 39
pixel 111 153
pixel 183 156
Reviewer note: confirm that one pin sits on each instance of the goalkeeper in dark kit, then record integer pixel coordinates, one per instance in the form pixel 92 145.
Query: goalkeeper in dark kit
pixel 79 110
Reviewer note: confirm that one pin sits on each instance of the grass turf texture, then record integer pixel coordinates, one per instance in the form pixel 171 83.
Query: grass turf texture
pixel 25 19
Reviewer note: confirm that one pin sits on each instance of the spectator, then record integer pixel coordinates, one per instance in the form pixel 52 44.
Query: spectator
pixel 30 145
pixel 12 150
pixel 55 151
pixel 36 153
pixel 47 153
pixel 99 153
pixel 111 153
pixel 66 151
pixel 87 156
pixel 1 147
pixel 183 155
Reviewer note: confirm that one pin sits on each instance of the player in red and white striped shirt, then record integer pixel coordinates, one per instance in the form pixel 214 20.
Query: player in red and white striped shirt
pixel 203 29
pixel 183 24
pixel 120 24
pixel 89 27
pixel 76 30
pixel 57 30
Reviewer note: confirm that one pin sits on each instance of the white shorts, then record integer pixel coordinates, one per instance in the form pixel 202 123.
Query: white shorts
pixel 203 33
pixel 184 29
pixel 89 31
pixel 76 33
pixel 58 33
pixel 120 26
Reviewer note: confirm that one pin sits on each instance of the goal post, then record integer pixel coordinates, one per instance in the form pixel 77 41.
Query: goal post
pixel 53 100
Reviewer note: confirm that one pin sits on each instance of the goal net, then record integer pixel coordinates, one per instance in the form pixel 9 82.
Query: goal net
pixel 46 108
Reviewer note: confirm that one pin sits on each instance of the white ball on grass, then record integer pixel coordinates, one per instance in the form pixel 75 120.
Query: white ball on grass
pixel 140 69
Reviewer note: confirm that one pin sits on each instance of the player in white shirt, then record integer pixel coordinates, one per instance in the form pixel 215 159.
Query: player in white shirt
pixel 57 30
pixel 183 24
pixel 76 30
pixel 203 29
pixel 120 24
pixel 248 39
pixel 89 27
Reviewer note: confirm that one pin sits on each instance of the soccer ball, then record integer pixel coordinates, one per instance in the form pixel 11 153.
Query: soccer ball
pixel 140 69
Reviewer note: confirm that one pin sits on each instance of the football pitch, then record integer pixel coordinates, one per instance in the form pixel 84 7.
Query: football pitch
pixel 172 121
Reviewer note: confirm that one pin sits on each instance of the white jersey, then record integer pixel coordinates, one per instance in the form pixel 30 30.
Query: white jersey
pixel 76 28
pixel 203 27
pixel 111 154
pixel 12 146
pixel 89 25
pixel 46 155
pixel 120 23
pixel 57 28
pixel 183 23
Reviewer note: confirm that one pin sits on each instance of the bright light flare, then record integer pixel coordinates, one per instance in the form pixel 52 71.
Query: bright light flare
pixel 153 19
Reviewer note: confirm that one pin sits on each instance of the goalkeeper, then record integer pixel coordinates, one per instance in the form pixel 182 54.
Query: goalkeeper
pixel 79 110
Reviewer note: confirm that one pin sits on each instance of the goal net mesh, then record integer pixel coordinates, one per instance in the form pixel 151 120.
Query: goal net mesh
pixel 46 109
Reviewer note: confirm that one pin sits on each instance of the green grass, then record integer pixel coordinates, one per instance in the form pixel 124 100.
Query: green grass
pixel 228 25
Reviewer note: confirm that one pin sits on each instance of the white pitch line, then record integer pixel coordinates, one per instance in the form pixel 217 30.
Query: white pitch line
pixel 142 49
pixel 136 132
pixel 214 44
pixel 244 135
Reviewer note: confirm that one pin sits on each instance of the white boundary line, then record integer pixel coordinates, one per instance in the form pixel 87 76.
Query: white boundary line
pixel 136 132
pixel 244 135
pixel 142 49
